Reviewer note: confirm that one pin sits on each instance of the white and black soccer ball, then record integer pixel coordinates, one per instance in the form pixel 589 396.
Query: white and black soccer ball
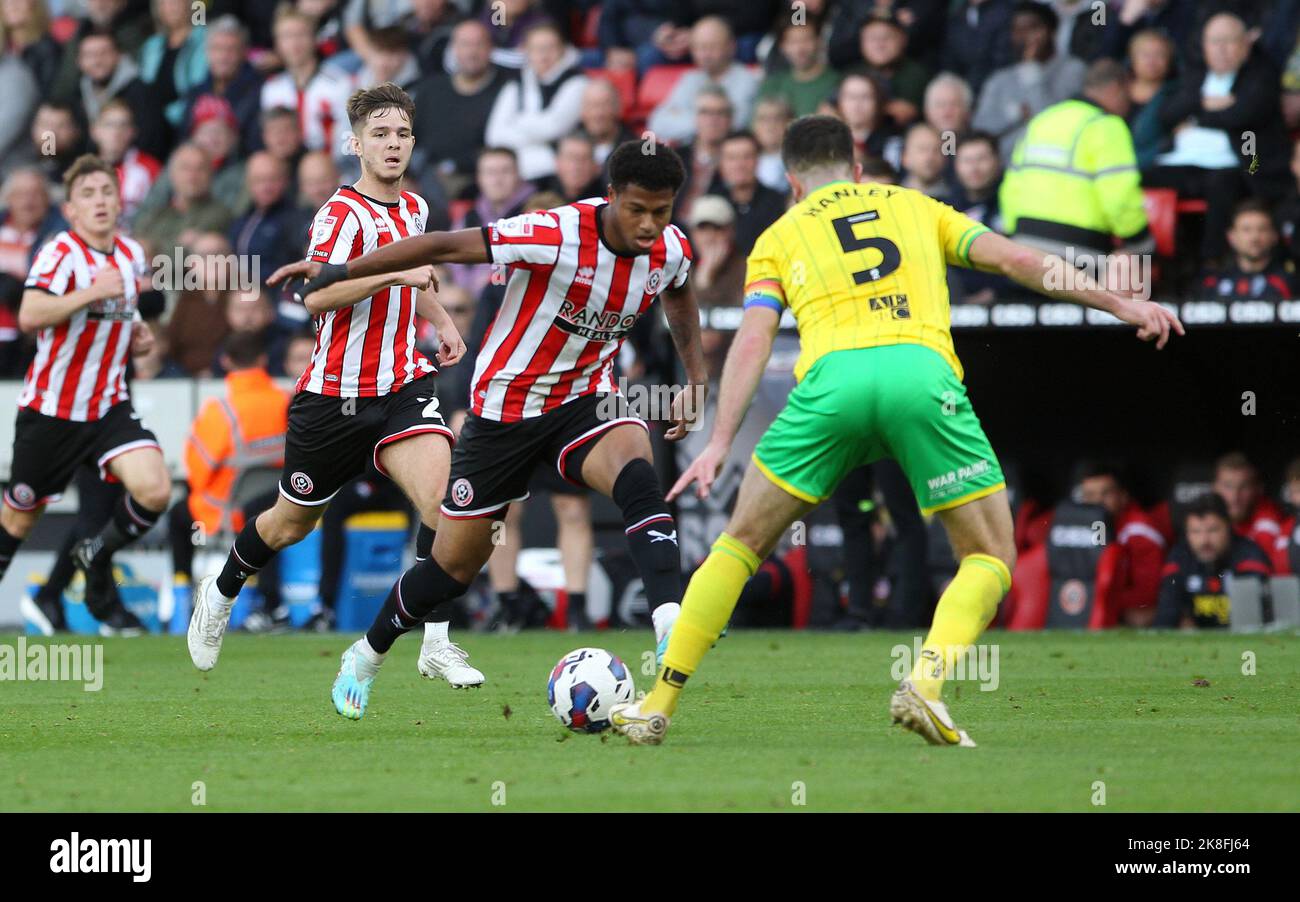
pixel 585 685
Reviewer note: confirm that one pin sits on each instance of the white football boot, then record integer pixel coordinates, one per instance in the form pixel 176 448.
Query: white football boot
pixel 442 659
pixel 208 623
pixel 929 719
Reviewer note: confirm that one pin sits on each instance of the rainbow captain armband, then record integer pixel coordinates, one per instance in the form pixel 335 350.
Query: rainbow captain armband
pixel 765 293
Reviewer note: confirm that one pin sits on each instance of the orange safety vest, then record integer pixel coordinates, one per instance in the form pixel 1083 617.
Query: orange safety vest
pixel 243 430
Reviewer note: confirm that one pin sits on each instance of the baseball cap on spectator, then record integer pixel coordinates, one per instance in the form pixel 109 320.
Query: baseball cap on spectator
pixel 209 107
pixel 711 210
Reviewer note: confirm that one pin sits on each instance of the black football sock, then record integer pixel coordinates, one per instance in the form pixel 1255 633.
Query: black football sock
pixel 8 547
pixel 129 522
pixel 248 555
pixel 651 532
pixel 578 608
pixel 424 537
pixel 413 597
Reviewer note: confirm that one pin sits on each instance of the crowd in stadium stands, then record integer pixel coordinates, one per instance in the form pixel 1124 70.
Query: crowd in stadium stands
pixel 1132 126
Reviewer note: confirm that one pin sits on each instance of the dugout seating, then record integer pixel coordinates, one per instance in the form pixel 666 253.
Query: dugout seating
pixel 1064 582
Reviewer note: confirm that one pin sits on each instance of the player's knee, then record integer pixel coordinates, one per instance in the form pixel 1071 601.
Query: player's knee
pixel 19 523
pixel 279 527
pixel 155 492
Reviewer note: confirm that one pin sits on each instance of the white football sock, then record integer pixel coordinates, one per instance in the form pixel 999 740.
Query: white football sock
pixel 436 632
pixel 368 660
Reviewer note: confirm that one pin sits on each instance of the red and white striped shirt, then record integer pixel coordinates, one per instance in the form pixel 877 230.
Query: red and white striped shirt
pixel 136 175
pixel 368 349
pixel 80 366
pixel 569 304
pixel 322 107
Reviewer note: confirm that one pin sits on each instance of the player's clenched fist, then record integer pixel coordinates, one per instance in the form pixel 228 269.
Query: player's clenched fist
pixel 108 283
pixel 421 278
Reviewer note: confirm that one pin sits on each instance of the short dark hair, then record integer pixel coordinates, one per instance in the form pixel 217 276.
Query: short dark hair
pixel 878 169
pixel 1206 505
pixel 817 141
pixel 496 151
pixel 1234 460
pixel 1045 13
pixel 100 31
pixel 1252 205
pixel 364 103
pixel 390 39
pixel 1093 469
pixel 978 137
pixel 654 168
pixel 243 349
pixel 743 134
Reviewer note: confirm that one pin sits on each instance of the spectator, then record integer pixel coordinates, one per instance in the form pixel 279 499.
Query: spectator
pixel 121 17
pixel 977 40
pixel 859 104
pixel 262 233
pixel 364 23
pixel 192 206
pixel 1288 211
pixel 198 324
pixel 249 312
pixel 174 60
pixel 978 171
pixel 318 179
pixel 636 34
pixel 749 20
pixel 16 115
pixel 577 174
pixel 509 23
pixel 719 268
pixel 429 27
pixel 948 104
pixel 1073 180
pixel 602 118
pixel 232 78
pixel 1172 18
pixel 1151 61
pixel 1252 515
pixel 1015 94
pixel 1192 590
pixel 26 216
pixel 300 346
pixel 771 116
pixel 923 162
pixel 757 206
pixel 1289 550
pixel 106 73
pixel 541 105
pixel 1234 94
pixel 282 138
pixel 700 157
pixel 465 98
pixel 389 60
pixel 57 141
pixel 1254 271
pixel 25 33
pixel 1081 31
pixel 884 54
pixel 319 94
pixel 923 21
pixel 217 132
pixel 809 80
pixel 156 362
pixel 501 194
pixel 113 132
pixel 1136 582
pixel 713 51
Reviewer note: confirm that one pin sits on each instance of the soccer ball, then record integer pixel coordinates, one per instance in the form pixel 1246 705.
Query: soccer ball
pixel 585 685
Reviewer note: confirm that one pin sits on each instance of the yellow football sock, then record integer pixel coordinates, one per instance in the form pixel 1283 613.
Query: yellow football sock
pixel 965 608
pixel 706 608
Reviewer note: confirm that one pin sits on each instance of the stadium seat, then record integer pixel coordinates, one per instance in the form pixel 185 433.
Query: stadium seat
pixel 1192 205
pixel 63 28
pixel 622 79
pixel 656 85
pixel 1033 520
pixel 1161 205
pixel 1025 607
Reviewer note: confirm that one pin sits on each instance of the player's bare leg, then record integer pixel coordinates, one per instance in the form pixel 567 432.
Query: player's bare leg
pixel 620 467
pixel 981 533
pixel 460 550
pixel 503 569
pixel 576 543
pixel 143 474
pixel 763 512
pixel 284 523
pixel 419 466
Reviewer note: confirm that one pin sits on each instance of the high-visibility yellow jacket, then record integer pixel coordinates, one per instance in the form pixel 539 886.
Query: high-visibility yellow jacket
pixel 1073 178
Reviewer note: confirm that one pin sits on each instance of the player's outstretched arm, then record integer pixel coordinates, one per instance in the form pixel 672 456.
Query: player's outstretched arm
pixel 746 361
pixel 350 291
pixel 683 314
pixel 1029 267
pixel 40 309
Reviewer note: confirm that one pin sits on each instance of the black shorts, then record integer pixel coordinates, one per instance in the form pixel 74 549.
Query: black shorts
pixel 493 463
pixel 331 439
pixel 48 450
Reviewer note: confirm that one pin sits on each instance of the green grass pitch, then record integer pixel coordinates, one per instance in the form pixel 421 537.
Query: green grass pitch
pixel 771 721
